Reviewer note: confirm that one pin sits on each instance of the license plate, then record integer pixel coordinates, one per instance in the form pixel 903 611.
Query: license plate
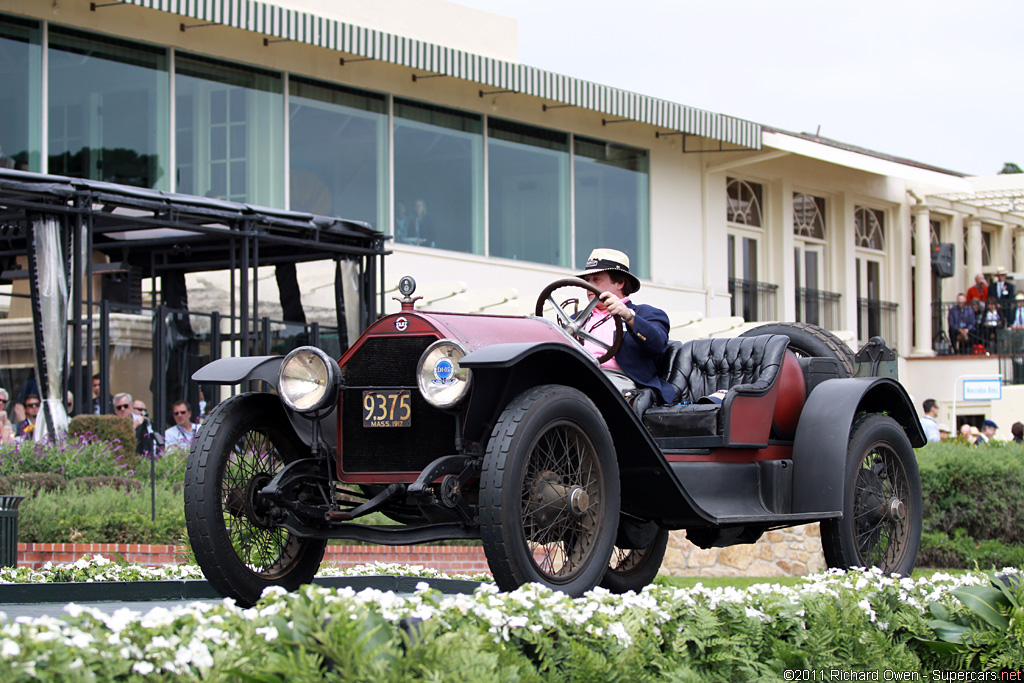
pixel 387 408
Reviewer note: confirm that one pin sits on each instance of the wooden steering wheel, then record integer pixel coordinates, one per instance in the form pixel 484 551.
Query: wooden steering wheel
pixel 573 324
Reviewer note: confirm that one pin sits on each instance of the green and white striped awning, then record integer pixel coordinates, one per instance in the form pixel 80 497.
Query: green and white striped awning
pixel 278 22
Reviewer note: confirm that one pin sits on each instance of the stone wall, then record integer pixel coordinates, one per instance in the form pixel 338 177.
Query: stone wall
pixel 785 552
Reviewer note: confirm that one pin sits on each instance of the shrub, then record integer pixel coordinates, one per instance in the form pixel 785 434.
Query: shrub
pixel 101 514
pixel 972 510
pixel 117 430
pixel 126 484
pixel 81 456
pixel 32 483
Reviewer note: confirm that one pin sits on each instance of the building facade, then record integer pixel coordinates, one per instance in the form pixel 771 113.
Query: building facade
pixel 489 174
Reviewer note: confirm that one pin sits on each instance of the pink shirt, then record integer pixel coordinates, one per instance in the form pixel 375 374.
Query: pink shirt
pixel 602 326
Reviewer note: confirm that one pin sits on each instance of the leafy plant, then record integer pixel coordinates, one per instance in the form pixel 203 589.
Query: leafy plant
pixel 987 627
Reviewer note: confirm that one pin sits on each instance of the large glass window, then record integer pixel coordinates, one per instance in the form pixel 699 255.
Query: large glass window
pixel 108 107
pixel 744 202
pixel 338 151
pixel 611 200
pixel 20 99
pixel 438 177
pixel 528 193
pixel 230 131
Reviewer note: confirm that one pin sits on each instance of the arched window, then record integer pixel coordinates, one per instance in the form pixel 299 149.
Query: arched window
pixel 808 216
pixel 745 205
pixel 870 224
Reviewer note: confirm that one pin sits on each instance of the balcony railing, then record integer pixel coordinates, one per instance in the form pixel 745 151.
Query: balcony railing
pixel 877 318
pixel 753 300
pixel 818 307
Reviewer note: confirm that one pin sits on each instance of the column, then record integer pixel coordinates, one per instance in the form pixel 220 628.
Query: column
pixel 973 250
pixel 1019 233
pixel 922 282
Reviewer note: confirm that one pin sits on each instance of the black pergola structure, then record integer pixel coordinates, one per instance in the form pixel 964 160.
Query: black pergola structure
pixel 58 223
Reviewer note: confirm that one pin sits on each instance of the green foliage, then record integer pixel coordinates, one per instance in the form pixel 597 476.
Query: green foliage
pixel 116 430
pixel 986 628
pixel 103 514
pixel 973 510
pixel 84 455
pixel 32 483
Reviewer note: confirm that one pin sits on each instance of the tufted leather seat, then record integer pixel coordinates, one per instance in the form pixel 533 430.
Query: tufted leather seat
pixel 743 365
pixel 703 366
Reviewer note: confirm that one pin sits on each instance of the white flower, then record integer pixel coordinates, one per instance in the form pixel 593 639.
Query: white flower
pixel 143 668
pixel 9 648
pixel 269 633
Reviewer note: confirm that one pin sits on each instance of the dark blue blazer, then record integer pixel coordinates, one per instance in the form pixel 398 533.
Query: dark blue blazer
pixel 643 346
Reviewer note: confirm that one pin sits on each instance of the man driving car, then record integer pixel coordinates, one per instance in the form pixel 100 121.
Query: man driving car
pixel 645 328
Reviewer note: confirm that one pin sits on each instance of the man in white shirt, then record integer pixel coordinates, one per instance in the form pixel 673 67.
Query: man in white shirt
pixel 183 432
pixel 928 423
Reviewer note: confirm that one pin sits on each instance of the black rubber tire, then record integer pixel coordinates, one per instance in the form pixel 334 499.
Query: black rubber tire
pixel 225 451
pixel 881 476
pixel 632 569
pixel 548 448
pixel 810 340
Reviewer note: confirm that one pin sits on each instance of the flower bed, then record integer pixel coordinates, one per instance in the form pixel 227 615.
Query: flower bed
pixel 844 621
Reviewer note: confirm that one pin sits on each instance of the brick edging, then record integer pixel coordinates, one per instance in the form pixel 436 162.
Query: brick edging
pixel 446 558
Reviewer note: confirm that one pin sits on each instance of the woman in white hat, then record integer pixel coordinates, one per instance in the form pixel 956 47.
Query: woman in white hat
pixel 645 328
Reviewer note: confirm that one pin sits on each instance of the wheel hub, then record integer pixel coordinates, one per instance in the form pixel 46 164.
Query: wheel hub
pixel 549 499
pixel 256 508
pixel 897 510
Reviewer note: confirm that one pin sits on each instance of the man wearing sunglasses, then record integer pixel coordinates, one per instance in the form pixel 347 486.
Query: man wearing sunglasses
pixel 28 425
pixel 183 432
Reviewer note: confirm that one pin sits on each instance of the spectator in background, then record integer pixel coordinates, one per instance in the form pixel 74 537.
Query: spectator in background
pixel 944 433
pixel 97 404
pixel 979 291
pixel 1017 316
pixel 123 408
pixel 928 423
pixel 964 434
pixel 147 440
pixel 988 432
pixel 6 428
pixel 70 404
pixel 183 432
pixel 961 325
pixel 991 321
pixel 1001 289
pixel 28 425
pixel 1017 429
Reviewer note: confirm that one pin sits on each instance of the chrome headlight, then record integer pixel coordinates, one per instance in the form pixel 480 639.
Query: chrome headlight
pixel 441 381
pixel 308 380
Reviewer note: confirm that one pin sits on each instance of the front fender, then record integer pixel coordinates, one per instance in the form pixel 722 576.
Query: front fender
pixel 823 435
pixel 501 372
pixel 238 370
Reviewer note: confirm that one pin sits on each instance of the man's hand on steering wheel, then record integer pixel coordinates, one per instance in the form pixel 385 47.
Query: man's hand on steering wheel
pixel 573 325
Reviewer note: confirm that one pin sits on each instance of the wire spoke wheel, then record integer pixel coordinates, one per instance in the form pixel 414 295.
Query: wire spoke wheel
pixel 561 501
pixel 882 512
pixel 549 492
pixel 244 443
pixel 881 491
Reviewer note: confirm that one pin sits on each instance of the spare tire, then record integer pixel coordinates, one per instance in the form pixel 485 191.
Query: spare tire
pixel 810 340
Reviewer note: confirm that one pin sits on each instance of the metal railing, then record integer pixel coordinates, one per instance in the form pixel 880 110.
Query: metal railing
pixel 1010 347
pixel 877 318
pixel 982 336
pixel 818 307
pixel 753 300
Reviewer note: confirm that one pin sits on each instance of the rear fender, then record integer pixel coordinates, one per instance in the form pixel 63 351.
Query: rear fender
pixel 503 371
pixel 823 435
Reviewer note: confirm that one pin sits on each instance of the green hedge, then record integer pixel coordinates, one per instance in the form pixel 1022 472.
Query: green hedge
pixel 91 513
pixel 972 505
pixel 117 430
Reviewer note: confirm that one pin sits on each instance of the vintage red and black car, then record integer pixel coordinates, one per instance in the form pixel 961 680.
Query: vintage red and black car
pixel 504 429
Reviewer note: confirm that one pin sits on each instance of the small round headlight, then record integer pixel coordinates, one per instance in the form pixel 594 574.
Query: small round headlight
pixel 308 380
pixel 441 381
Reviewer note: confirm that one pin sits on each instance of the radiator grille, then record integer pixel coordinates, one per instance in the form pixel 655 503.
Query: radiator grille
pixel 386 363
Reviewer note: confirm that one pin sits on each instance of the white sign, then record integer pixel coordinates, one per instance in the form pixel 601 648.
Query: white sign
pixel 983 389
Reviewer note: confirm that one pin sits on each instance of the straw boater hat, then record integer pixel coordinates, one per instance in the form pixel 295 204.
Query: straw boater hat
pixel 610 260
